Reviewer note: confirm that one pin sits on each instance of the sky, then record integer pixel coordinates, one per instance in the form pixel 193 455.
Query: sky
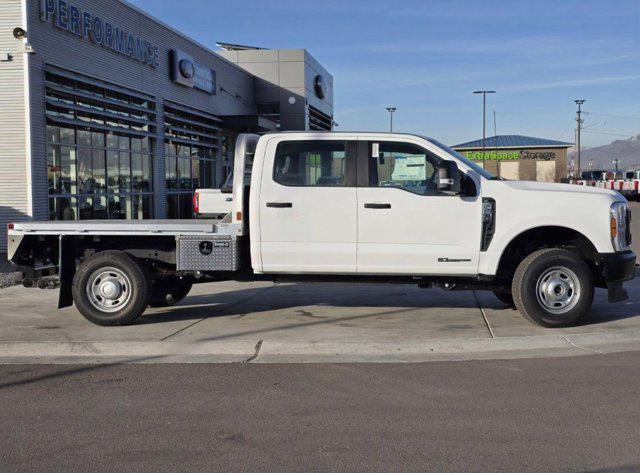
pixel 427 57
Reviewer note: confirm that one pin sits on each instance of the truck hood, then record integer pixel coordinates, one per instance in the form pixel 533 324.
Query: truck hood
pixel 553 187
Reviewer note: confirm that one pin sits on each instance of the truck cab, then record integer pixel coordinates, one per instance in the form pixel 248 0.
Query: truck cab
pixel 379 207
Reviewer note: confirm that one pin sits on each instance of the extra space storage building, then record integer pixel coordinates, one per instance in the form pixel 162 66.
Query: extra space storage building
pixel 519 157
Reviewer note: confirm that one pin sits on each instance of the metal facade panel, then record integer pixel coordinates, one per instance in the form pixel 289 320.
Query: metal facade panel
pixel 13 145
pixel 60 48
pixel 289 77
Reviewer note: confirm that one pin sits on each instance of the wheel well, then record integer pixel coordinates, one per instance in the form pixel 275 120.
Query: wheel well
pixel 544 237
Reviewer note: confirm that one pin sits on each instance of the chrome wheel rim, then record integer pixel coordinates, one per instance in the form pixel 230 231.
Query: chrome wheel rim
pixel 108 289
pixel 558 290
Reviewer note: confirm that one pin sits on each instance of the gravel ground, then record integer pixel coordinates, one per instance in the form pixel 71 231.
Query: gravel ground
pixel 7 270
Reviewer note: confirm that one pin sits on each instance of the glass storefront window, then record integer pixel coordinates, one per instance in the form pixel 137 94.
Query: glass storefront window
pixel 99 171
pixel 53 134
pixel 67 136
pixel 147 178
pixel 184 174
pixel 192 155
pixel 92 172
pixel 97 139
pixel 112 140
pixel 85 171
pixel 100 207
pixel 172 206
pixel 123 142
pixel 113 172
pixel 84 137
pixel 125 172
pixel 136 172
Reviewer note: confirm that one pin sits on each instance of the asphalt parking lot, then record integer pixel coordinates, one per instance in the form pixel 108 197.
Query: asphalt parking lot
pixel 532 415
pixel 264 322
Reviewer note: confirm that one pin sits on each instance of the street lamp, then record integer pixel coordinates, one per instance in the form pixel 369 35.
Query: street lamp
pixel 579 119
pixel 391 110
pixel 484 119
pixel 615 164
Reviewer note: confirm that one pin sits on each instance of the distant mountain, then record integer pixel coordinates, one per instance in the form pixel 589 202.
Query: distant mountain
pixel 627 151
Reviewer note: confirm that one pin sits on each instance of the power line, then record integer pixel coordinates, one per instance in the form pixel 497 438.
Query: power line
pixel 626 117
pixel 629 135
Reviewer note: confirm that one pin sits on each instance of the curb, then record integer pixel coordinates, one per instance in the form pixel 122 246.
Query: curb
pixel 265 351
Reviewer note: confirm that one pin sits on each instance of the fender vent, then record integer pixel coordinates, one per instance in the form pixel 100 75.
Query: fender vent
pixel 488 222
pixel 628 226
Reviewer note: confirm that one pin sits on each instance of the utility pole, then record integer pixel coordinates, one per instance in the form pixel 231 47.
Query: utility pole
pixel 495 138
pixel 484 120
pixel 495 127
pixel 391 110
pixel 579 120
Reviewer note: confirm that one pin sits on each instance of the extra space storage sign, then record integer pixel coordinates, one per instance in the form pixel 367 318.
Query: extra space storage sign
pixel 85 25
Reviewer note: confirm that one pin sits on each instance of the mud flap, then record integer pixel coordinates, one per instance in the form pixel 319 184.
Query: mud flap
pixel 66 271
pixel 616 292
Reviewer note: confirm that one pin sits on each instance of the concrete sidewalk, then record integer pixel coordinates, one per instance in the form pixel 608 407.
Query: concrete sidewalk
pixel 263 322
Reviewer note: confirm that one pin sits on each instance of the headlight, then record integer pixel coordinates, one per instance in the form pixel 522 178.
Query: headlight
pixel 619 226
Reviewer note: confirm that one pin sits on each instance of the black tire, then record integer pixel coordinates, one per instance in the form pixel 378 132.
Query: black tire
pixel 167 292
pixel 127 273
pixel 541 307
pixel 505 297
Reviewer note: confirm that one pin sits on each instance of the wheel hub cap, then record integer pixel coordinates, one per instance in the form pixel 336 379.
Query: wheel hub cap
pixel 558 290
pixel 108 289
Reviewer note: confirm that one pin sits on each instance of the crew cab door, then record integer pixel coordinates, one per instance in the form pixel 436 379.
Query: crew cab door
pixel 308 207
pixel 405 226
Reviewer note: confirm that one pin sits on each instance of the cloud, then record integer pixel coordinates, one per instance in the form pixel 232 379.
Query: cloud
pixel 534 86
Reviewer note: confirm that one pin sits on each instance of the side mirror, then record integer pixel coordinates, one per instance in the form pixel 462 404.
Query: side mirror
pixel 448 178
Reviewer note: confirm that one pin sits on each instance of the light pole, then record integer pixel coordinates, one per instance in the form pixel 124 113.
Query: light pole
pixel 615 164
pixel 391 110
pixel 579 103
pixel 484 119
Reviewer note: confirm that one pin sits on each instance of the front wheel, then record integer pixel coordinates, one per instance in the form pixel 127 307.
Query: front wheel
pixel 553 288
pixel 111 288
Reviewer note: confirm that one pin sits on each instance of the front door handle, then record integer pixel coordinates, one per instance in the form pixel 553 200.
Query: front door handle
pixel 377 206
pixel 280 205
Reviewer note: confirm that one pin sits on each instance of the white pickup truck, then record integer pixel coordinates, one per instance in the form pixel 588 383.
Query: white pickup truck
pixel 352 207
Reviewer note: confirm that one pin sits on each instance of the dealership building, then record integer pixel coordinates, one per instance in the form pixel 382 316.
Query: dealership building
pixel 108 113
pixel 519 157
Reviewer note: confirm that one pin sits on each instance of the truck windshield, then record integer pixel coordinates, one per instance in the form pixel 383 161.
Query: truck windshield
pixel 479 169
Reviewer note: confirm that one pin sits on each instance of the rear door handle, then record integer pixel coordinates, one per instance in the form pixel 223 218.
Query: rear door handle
pixel 280 205
pixel 377 206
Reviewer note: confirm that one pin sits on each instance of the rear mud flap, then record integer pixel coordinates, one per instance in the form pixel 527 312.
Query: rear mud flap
pixel 66 271
pixel 616 292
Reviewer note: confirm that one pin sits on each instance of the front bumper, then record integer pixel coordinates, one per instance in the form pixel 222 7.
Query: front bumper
pixel 613 270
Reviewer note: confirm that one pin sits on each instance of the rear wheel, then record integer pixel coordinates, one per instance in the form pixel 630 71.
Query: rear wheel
pixel 111 288
pixel 167 292
pixel 553 288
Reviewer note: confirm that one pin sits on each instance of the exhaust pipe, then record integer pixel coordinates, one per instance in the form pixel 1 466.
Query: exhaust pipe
pixel 48 283
pixel 53 283
pixel 28 283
